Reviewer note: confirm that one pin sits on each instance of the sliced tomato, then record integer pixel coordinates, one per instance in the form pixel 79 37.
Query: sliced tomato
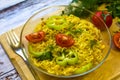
pixel 116 40
pixel 35 37
pixel 64 40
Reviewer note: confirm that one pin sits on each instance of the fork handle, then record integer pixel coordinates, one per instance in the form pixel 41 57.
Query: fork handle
pixel 36 76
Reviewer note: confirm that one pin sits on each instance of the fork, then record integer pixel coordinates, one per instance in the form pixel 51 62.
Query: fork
pixel 14 42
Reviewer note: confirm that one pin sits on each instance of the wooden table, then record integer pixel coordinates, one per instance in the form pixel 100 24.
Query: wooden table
pixel 17 15
pixel 109 70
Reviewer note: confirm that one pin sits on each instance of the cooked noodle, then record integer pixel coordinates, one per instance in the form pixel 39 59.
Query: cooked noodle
pixel 82 46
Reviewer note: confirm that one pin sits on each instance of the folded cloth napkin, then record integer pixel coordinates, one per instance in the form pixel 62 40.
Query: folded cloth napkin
pixel 7 3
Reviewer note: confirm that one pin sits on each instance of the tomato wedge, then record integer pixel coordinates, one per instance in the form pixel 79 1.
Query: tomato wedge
pixel 35 37
pixel 116 40
pixel 64 40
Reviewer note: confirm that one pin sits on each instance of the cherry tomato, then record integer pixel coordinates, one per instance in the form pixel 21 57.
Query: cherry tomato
pixel 64 40
pixel 116 39
pixel 103 15
pixel 35 37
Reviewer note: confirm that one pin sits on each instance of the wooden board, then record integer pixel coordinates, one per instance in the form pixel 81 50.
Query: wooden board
pixel 109 70
pixel 19 64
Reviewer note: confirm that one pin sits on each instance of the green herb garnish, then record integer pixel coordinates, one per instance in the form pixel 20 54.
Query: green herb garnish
pixel 114 8
pixel 92 43
pixel 77 7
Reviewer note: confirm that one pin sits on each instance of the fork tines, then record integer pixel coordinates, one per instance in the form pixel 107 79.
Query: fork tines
pixel 12 38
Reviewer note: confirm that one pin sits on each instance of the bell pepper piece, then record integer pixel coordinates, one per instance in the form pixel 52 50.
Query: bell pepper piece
pixel 61 60
pixel 35 54
pixel 56 22
pixel 84 68
pixel 45 55
pixel 72 58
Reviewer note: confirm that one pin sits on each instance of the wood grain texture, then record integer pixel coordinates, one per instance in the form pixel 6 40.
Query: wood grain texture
pixel 109 70
pixel 17 61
